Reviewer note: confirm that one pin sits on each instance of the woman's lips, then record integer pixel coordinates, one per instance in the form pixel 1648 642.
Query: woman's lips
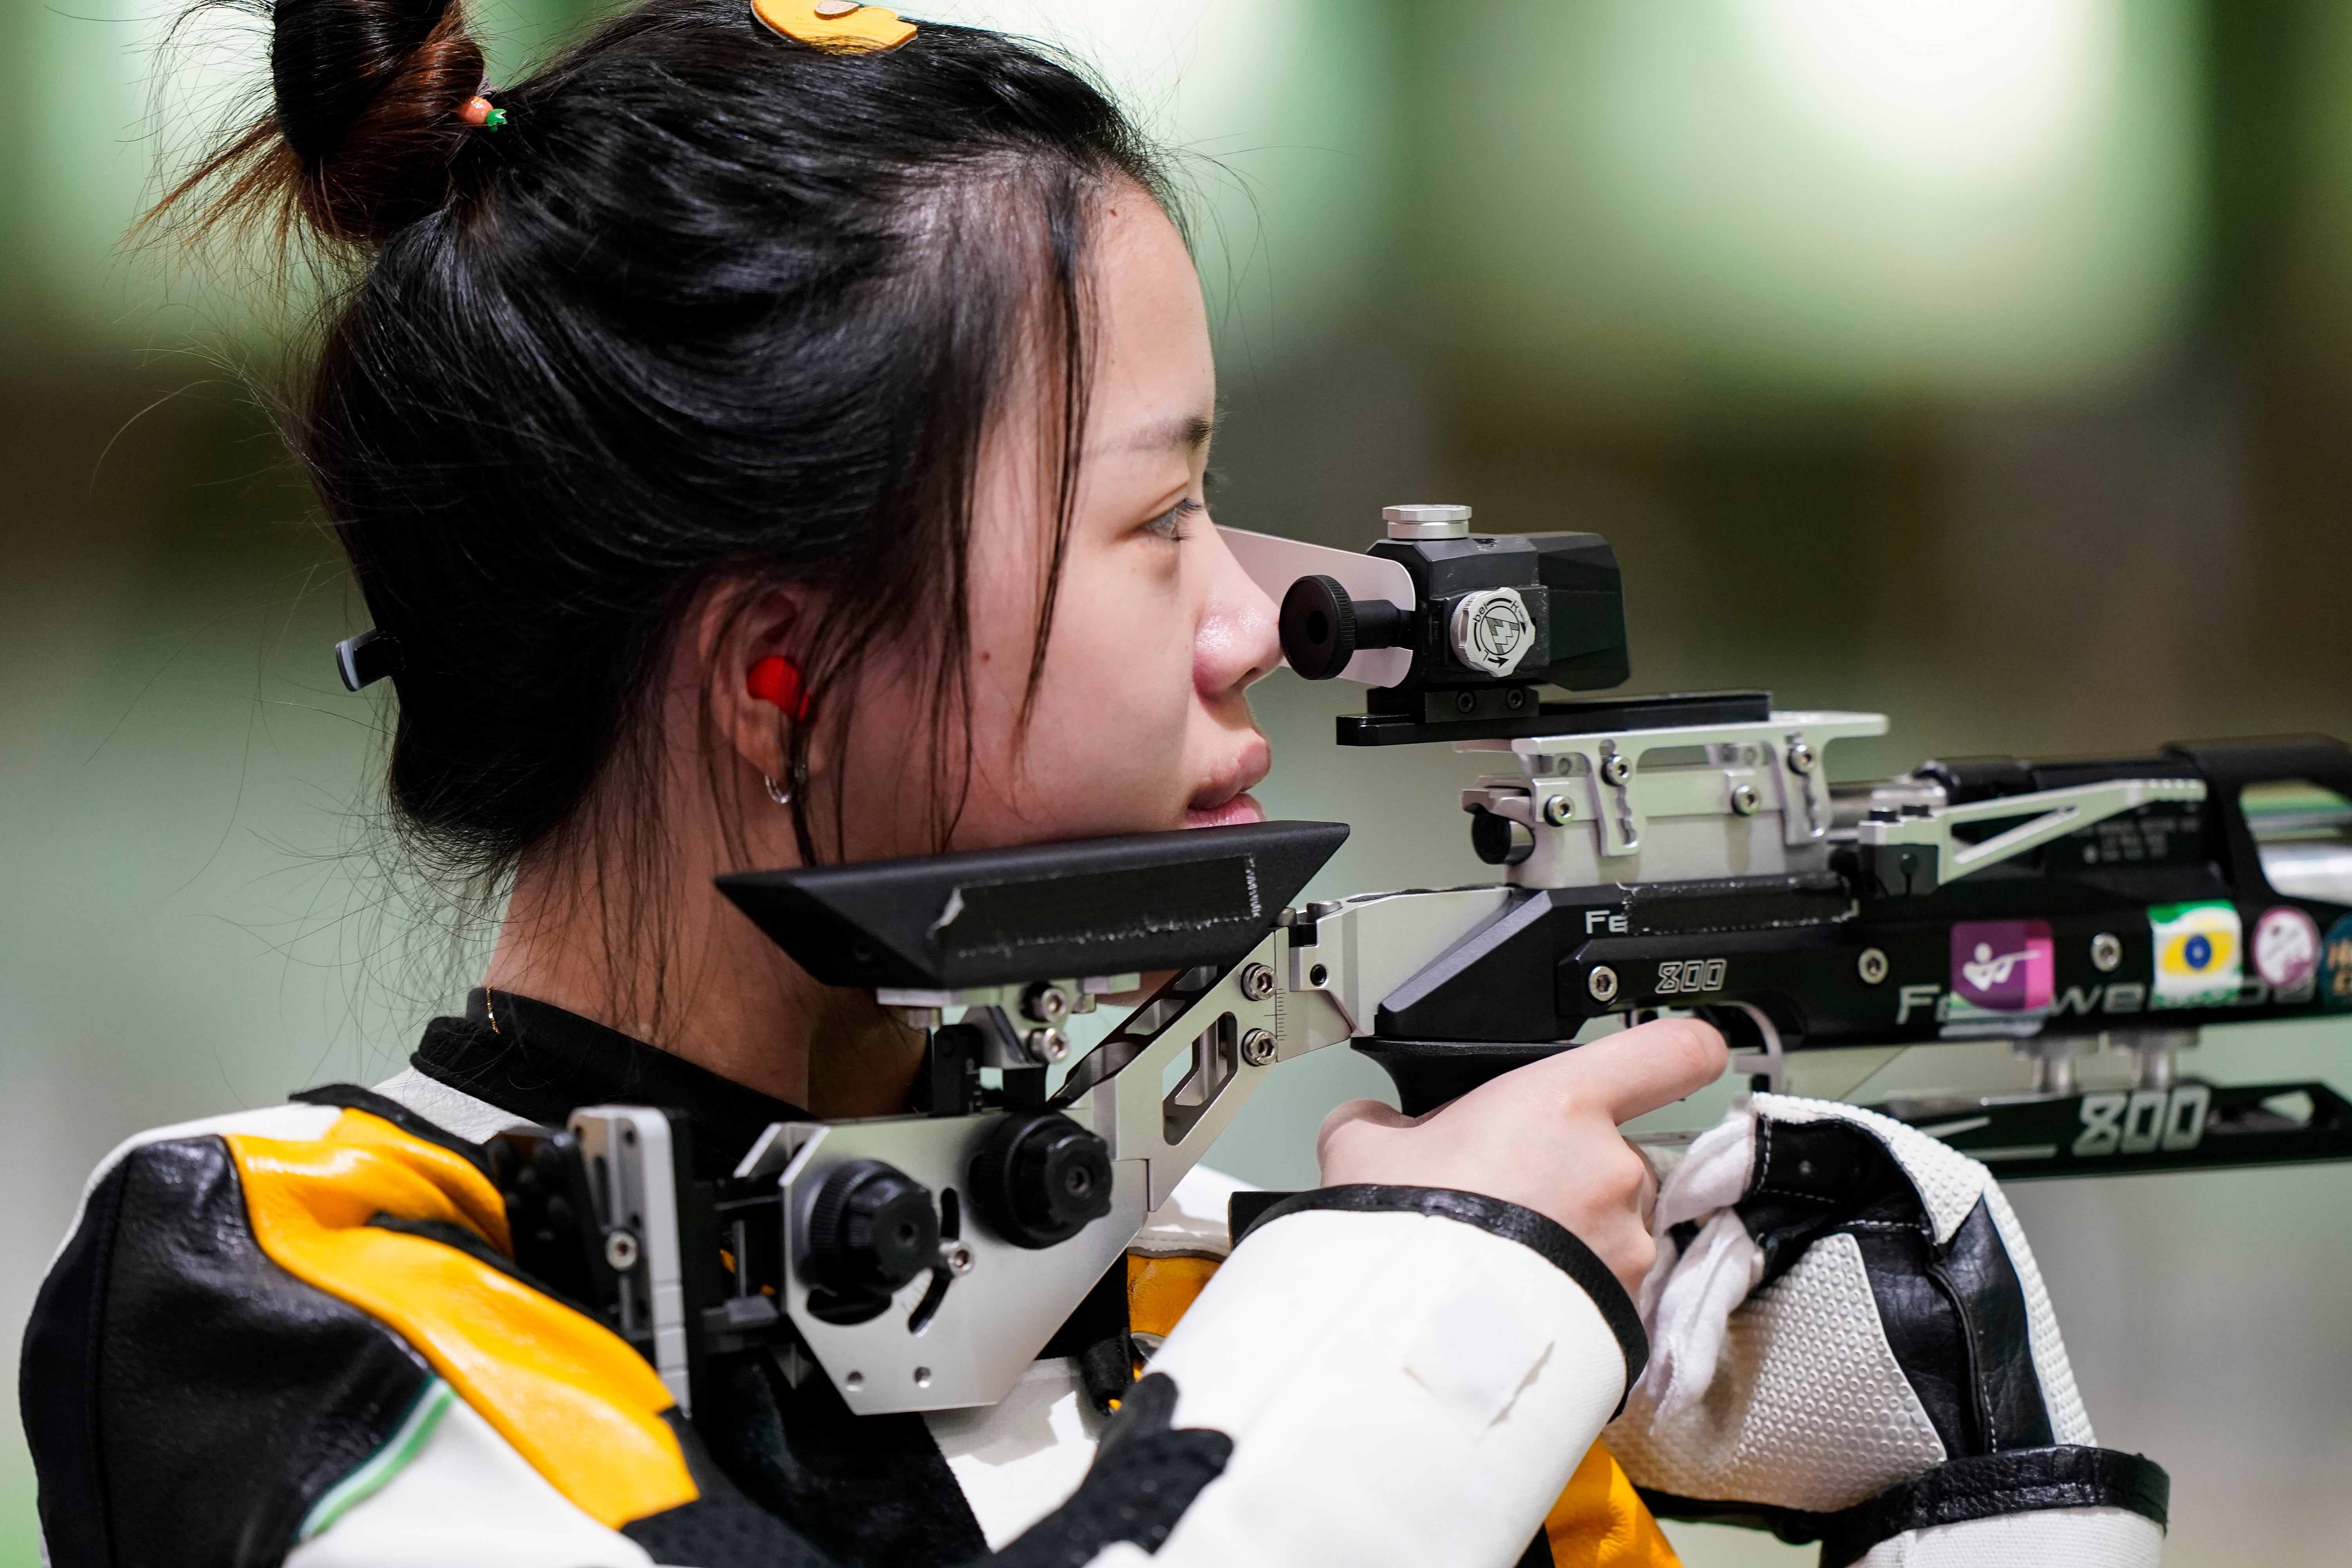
pixel 1226 800
pixel 1241 807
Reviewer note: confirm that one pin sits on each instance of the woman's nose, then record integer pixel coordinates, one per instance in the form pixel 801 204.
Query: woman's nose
pixel 1237 640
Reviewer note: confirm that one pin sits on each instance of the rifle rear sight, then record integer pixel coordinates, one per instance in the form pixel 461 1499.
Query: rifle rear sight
pixel 1478 622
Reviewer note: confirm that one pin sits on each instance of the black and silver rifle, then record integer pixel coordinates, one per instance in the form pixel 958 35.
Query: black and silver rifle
pixel 1654 853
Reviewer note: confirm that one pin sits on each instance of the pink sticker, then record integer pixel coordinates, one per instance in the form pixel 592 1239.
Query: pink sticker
pixel 2003 966
pixel 2286 948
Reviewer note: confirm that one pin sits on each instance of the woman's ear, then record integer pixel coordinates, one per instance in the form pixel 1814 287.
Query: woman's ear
pixel 757 691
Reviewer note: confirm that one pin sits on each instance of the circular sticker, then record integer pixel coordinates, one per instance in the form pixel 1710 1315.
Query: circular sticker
pixel 2286 948
pixel 2336 966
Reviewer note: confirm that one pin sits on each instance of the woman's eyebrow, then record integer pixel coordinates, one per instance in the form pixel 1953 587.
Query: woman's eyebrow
pixel 1187 433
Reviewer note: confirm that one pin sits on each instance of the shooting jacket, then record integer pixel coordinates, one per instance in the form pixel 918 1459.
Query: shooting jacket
pixel 297 1336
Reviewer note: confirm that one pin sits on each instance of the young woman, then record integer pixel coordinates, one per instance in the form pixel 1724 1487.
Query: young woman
pixel 705 348
pixel 766 438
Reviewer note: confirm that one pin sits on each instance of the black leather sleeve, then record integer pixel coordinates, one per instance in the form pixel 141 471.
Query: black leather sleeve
pixel 2021 1480
pixel 1953 1312
pixel 2025 1480
pixel 185 1399
pixel 1146 1474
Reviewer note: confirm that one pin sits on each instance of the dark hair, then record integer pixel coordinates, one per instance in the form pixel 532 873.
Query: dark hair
pixel 712 304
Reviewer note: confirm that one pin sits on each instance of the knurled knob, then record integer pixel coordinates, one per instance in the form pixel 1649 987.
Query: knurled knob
pixel 872 1226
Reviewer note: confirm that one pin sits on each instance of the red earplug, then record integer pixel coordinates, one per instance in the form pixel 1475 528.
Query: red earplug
pixel 777 679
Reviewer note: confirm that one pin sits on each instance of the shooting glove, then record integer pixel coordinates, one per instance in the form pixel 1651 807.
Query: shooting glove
pixel 1851 1344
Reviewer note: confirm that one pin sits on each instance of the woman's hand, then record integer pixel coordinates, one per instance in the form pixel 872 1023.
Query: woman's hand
pixel 1543 1136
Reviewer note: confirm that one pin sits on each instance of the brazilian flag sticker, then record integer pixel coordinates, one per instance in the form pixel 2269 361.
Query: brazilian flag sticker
pixel 2199 954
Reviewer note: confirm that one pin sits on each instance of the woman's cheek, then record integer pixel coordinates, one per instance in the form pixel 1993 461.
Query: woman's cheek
pixel 1122 745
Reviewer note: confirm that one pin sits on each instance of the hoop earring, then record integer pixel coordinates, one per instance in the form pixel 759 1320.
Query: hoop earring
pixel 794 782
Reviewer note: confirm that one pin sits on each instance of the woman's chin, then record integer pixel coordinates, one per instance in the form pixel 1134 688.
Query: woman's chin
pixel 1240 809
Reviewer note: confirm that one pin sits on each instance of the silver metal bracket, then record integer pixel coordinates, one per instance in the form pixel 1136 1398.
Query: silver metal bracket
pixel 637 1201
pixel 1158 1090
pixel 958 1334
pixel 1195 1030
pixel 1683 801
pixel 2055 814
pixel 921 1009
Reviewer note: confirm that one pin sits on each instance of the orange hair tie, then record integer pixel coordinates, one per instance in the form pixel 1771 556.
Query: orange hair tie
pixel 481 114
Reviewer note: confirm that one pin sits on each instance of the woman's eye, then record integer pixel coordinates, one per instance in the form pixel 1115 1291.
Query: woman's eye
pixel 1170 524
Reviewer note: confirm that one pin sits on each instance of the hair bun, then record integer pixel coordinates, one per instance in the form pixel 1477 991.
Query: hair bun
pixel 368 93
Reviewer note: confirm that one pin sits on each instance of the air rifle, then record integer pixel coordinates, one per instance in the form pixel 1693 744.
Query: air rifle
pixel 1682 852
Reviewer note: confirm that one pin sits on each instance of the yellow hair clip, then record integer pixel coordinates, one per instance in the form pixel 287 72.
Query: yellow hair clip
pixel 842 25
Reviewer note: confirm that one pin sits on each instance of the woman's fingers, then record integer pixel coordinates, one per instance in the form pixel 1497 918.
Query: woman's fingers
pixel 1349 1128
pixel 1634 1071
pixel 1370 1112
pixel 1648 1203
pixel 1544 1137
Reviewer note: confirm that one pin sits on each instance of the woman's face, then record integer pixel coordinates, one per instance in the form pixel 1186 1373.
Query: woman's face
pixel 1140 719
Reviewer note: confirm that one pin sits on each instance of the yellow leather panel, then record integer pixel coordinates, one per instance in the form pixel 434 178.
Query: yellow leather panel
pixel 1160 1289
pixel 1600 1522
pixel 571 1395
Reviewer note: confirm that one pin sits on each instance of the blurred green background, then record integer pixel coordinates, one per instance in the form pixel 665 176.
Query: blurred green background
pixel 1986 363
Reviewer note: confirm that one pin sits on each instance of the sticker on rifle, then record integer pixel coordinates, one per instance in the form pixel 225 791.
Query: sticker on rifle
pixel 2336 966
pixel 2199 961
pixel 2286 951
pixel 2001 970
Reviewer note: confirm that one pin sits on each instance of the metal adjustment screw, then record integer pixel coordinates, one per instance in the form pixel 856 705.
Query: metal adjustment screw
pixel 1048 1045
pixel 1616 767
pixel 1558 809
pixel 1745 800
pixel 1257 1048
pixel 1044 1004
pixel 1602 983
pixel 621 1250
pixel 1801 758
pixel 1870 965
pixel 955 1257
pixel 1516 699
pixel 1258 981
pixel 2106 951
pixel 1427 520
pixel 1465 702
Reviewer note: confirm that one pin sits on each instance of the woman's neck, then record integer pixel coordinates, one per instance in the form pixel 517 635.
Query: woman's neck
pixel 675 966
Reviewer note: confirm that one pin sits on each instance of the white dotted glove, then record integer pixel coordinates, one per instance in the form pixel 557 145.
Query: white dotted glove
pixel 1850 1343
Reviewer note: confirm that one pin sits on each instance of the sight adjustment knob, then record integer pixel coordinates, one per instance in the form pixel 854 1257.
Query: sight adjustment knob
pixel 1041 1178
pixel 872 1227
